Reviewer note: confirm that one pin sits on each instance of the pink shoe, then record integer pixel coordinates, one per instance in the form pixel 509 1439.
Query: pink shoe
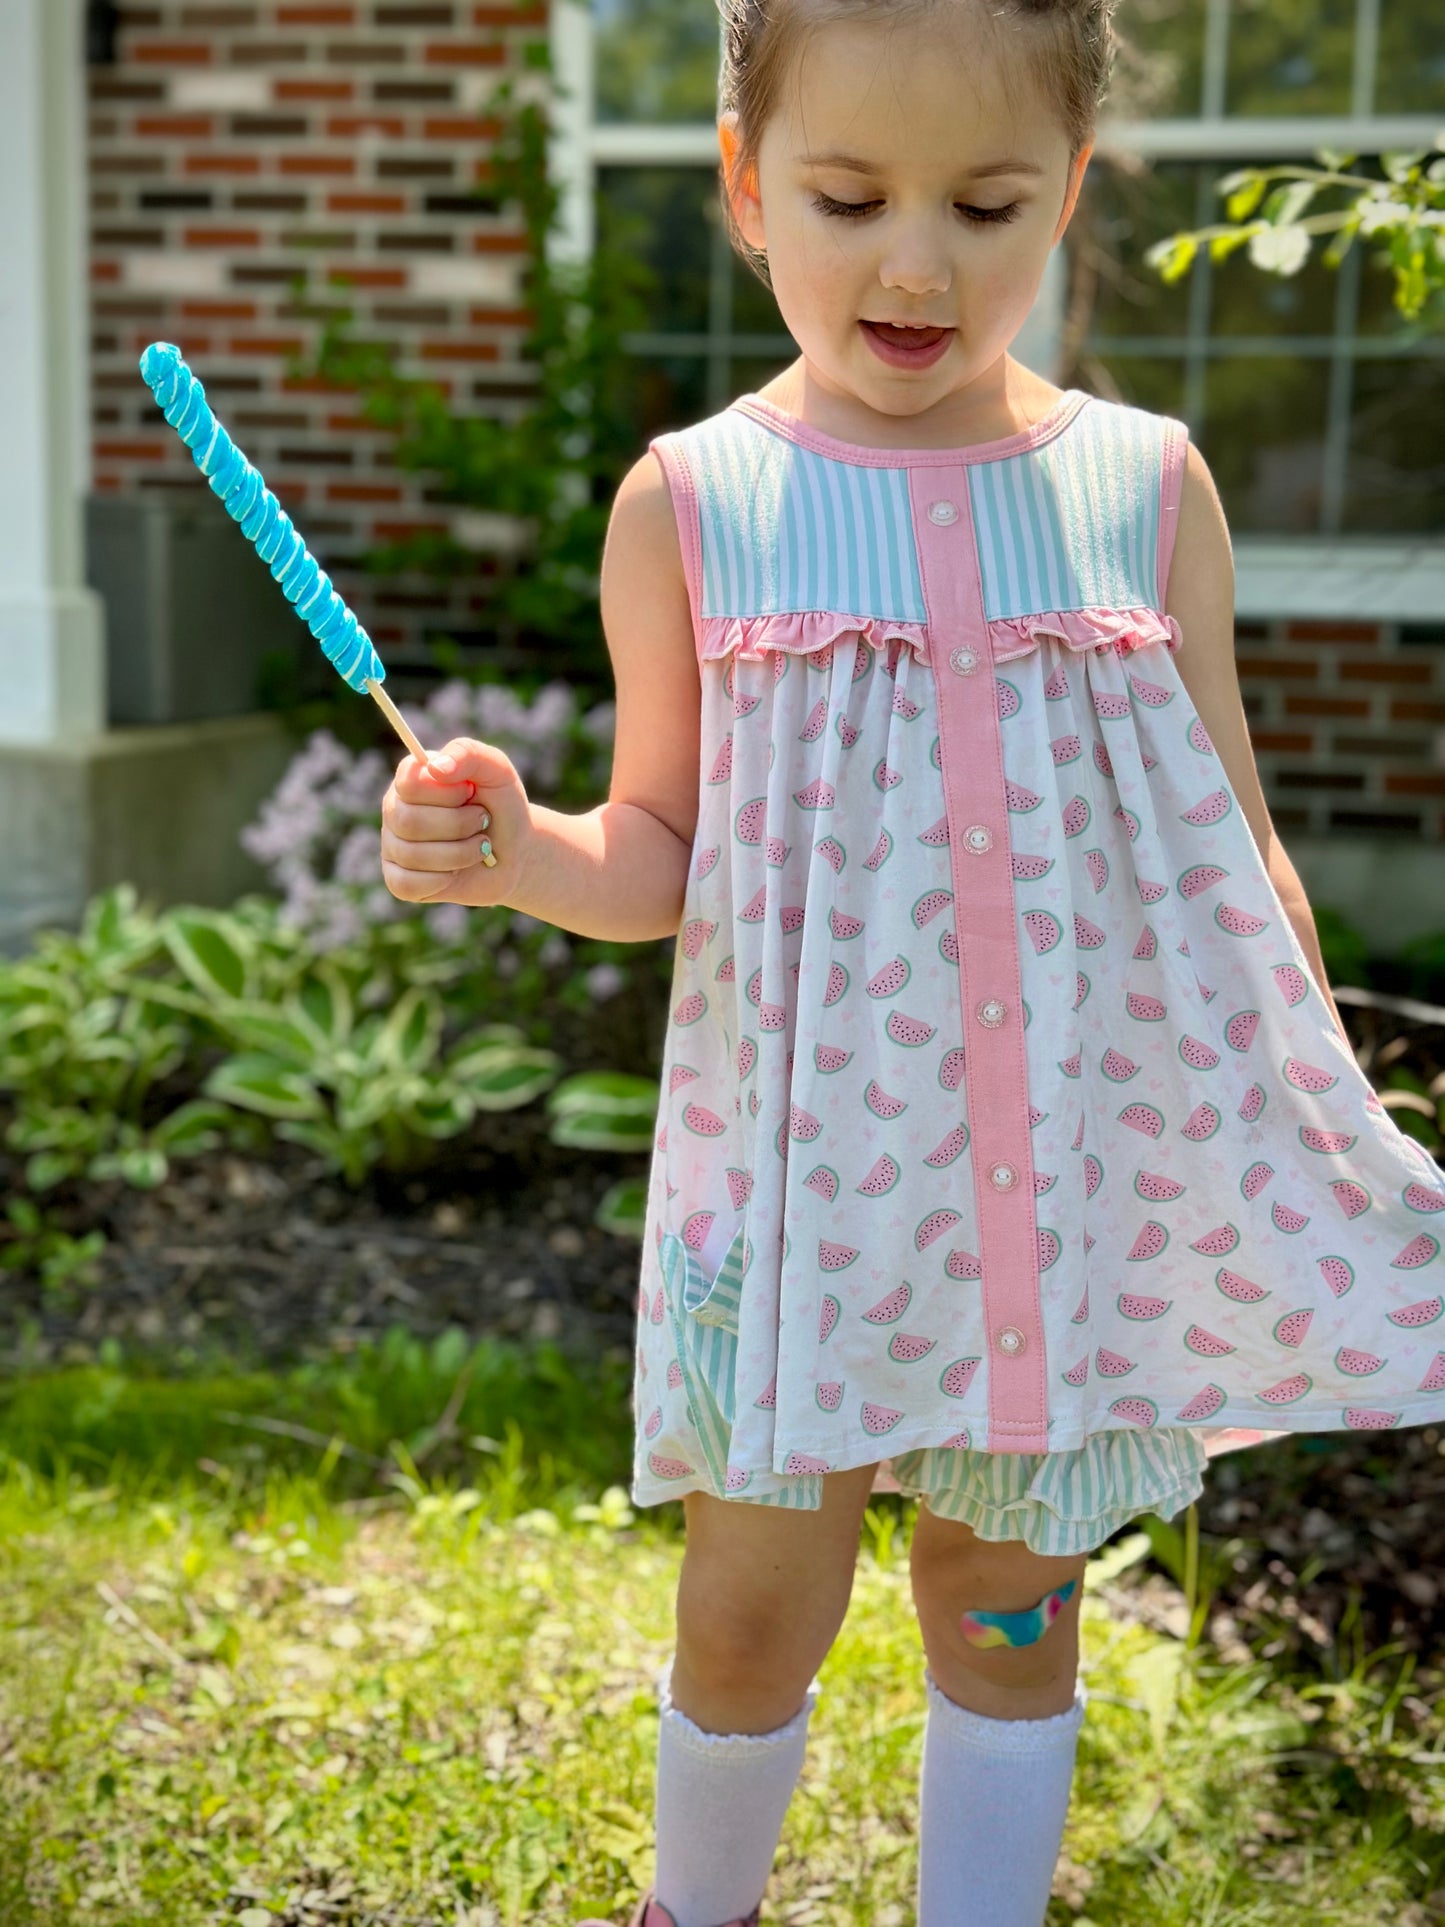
pixel 652 1913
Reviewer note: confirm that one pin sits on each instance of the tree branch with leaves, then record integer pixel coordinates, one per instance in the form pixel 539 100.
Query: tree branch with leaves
pixel 1404 212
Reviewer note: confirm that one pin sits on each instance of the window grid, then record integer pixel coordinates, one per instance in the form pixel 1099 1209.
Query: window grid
pixel 1213 138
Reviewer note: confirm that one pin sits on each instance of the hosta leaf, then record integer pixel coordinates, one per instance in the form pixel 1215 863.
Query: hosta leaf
pixel 211 949
pixel 444 1114
pixel 506 1077
pixel 259 1028
pixel 145 1167
pixel 601 1131
pixel 48 1168
pixel 623 1208
pixel 619 1091
pixel 257 1083
pixel 192 1127
pixel 409 1036
pixel 324 1001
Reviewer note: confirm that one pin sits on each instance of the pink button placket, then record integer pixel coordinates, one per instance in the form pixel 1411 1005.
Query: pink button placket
pixel 990 978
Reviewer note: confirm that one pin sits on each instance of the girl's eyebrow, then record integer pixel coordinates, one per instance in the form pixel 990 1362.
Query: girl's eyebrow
pixel 1014 164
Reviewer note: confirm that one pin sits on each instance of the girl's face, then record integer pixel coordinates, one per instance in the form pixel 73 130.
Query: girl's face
pixel 945 235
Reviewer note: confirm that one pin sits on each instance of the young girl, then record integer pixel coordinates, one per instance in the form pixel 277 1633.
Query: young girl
pixel 1008 1127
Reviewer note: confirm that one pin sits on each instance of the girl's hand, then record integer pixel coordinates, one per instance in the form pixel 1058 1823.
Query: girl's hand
pixel 432 827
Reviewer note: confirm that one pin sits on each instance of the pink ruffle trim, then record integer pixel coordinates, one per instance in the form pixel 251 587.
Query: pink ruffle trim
pixel 802 632
pixel 798 632
pixel 1122 630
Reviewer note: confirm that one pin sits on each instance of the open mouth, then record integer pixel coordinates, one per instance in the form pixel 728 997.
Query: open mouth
pixel 906 347
pixel 907 337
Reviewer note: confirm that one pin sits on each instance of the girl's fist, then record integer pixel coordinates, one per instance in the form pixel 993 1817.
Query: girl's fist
pixel 433 821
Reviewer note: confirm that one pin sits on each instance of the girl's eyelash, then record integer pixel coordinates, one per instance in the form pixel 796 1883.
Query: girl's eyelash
pixel 850 210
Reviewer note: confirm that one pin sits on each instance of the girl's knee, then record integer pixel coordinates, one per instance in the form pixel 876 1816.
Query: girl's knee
pixel 995 1614
pixel 764 1592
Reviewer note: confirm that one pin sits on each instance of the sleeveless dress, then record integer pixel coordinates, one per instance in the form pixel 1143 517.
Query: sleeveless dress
pixel 999 1106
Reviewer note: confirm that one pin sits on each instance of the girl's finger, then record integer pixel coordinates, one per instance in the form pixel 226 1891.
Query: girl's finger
pixel 438 856
pixel 417 823
pixel 416 886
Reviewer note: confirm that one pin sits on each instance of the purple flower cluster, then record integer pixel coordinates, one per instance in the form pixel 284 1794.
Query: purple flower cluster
pixel 318 834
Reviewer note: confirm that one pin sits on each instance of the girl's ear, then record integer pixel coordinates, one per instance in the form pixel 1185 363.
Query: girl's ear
pixel 1071 196
pixel 746 205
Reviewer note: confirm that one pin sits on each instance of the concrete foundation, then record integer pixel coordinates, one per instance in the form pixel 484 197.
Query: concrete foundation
pixel 1391 893
pixel 159 807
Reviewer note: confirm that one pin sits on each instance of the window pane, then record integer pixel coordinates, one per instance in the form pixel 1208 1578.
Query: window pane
pixel 661 392
pixel 749 374
pixel 1395 481
pixel 755 308
pixel 1412 58
pixel 1144 381
pixel 1118 216
pixel 657 212
pixel 1290 56
pixel 1263 437
pixel 1246 300
pixel 1162 75
pixel 656 60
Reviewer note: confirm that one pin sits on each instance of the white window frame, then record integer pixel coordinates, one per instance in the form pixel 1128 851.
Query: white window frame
pixel 1319 575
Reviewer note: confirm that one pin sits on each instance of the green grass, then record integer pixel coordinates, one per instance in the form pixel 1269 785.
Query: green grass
pixel 231 1692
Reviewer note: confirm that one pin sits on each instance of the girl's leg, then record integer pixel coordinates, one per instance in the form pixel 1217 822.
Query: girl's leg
pixel 763 1592
pixel 1002 1727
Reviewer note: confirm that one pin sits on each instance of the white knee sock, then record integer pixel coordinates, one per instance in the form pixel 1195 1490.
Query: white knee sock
pixel 721 1802
pixel 992 1805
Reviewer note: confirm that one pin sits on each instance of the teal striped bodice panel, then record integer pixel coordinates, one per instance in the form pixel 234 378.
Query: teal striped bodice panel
pixel 1071 523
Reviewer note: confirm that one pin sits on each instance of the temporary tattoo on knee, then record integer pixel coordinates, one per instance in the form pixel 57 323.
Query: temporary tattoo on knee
pixel 1016 1629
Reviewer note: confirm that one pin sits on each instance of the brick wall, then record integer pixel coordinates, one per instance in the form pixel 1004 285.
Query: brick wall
pixel 237 147
pixel 1347 720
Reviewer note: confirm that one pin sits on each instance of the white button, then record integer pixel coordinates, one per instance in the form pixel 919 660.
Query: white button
pixel 1003 1177
pixel 1011 1339
pixel 979 838
pixel 943 511
pixel 965 661
pixel 992 1013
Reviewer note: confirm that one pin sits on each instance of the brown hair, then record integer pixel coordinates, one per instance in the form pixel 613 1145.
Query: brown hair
pixel 761 39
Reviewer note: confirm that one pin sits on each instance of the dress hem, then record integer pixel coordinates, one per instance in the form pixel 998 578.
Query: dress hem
pixel 1428 1411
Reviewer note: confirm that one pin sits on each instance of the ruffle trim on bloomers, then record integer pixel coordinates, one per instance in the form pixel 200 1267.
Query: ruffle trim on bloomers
pixel 806 632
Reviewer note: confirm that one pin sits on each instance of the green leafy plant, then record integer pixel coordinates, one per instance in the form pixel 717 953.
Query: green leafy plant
pixel 1404 212
pixel 90 1039
pixel 144 1038
pixel 29 1242
pixel 610 1111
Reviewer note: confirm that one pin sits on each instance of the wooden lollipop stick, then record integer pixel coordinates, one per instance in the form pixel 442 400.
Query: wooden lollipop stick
pixel 398 722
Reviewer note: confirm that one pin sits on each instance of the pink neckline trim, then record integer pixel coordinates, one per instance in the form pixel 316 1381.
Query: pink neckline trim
pixel 771 416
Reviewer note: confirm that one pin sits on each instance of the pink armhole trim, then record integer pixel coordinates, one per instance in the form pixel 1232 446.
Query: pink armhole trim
pixel 1171 487
pixel 670 454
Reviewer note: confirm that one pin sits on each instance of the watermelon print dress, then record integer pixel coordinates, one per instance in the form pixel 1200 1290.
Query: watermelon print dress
pixel 1001 1113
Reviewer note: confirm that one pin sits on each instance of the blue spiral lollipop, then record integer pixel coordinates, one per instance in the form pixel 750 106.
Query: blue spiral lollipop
pixel 266 524
pixel 263 521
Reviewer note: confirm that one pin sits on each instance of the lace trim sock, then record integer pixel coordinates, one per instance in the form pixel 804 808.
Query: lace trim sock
pixel 720 1805
pixel 993 1801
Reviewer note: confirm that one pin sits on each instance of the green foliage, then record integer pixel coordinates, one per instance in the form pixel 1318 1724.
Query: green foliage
pixel 557 465
pixel 374 1411
pixel 146 1038
pixel 1403 213
pixel 35 1245
pixel 337 1669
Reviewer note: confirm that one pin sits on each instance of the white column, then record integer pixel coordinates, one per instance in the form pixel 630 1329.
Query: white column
pixel 52 637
